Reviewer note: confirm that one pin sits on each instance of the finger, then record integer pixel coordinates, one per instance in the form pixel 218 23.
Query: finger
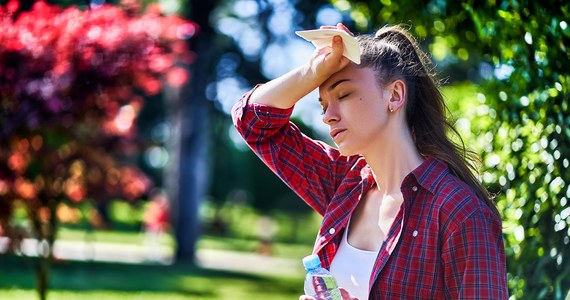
pixel 328 27
pixel 337 45
pixel 346 295
pixel 305 297
pixel 342 27
pixel 336 55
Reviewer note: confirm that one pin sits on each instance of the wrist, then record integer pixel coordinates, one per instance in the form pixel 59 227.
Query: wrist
pixel 309 76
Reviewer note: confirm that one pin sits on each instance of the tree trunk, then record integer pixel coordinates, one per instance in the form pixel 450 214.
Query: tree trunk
pixel 45 235
pixel 42 275
pixel 187 178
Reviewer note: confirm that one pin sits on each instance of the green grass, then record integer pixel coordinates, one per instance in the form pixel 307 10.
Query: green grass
pixel 101 281
pixel 105 281
pixel 280 249
pixel 107 236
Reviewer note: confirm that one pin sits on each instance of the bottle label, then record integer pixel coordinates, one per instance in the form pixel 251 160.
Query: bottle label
pixel 326 288
pixel 335 294
pixel 330 282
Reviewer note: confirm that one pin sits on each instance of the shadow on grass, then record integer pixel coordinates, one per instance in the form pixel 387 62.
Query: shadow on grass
pixel 184 279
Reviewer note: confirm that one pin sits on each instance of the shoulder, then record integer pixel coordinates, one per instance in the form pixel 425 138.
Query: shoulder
pixel 453 202
pixel 459 205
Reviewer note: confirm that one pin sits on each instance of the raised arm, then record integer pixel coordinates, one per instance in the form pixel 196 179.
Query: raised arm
pixel 285 91
pixel 311 168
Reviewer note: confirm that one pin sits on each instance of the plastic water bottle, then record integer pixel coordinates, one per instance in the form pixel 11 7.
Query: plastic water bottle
pixel 319 282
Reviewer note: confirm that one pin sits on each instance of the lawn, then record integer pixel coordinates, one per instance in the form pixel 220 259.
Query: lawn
pixel 280 249
pixel 106 281
pixel 103 281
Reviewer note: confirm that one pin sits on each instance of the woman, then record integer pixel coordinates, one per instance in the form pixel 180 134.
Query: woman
pixel 403 215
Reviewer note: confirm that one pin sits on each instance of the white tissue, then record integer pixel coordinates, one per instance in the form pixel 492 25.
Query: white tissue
pixel 323 37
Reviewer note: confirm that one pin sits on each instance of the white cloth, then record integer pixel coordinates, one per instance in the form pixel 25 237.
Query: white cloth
pixel 323 37
pixel 352 267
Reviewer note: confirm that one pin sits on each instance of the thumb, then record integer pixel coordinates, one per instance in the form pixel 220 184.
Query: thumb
pixel 346 295
pixel 337 44
pixel 336 55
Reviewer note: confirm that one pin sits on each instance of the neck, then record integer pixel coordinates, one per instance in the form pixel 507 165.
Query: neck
pixel 392 159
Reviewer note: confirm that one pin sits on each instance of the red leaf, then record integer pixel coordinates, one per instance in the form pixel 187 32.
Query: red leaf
pixel 12 6
pixel 177 76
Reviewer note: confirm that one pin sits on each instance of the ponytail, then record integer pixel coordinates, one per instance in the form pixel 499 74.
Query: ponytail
pixel 394 54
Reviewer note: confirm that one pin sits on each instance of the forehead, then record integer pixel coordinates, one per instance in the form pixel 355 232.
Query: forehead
pixel 352 73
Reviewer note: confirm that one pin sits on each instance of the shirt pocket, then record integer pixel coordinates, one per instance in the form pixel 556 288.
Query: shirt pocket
pixel 418 271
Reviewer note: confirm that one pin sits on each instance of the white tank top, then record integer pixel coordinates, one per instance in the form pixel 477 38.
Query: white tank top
pixel 352 267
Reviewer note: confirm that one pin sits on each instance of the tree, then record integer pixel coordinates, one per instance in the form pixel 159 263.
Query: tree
pixel 189 110
pixel 517 52
pixel 70 81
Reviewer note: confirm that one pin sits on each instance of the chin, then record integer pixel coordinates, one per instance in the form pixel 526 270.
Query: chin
pixel 349 149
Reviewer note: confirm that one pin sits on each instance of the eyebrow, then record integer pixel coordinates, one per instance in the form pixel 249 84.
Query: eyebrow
pixel 333 86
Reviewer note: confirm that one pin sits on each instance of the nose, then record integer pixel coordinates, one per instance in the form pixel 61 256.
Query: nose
pixel 331 115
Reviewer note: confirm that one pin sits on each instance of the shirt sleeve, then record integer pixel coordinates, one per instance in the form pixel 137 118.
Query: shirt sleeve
pixel 474 259
pixel 311 168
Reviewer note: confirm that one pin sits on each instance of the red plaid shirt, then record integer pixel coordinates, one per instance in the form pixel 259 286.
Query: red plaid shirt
pixel 445 243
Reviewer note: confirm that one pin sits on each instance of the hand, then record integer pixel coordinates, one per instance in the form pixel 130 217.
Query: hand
pixel 285 90
pixel 328 60
pixel 343 292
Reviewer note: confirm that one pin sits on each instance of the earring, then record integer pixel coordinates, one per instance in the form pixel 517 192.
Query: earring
pixel 391 109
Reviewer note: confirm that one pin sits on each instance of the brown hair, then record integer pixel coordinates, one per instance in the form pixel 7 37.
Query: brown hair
pixel 394 54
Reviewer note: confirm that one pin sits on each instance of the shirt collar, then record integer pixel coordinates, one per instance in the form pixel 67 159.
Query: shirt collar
pixel 430 173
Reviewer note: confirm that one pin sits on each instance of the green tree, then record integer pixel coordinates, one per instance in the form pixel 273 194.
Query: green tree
pixel 517 52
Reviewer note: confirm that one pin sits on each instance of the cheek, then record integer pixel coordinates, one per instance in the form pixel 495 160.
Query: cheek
pixel 373 119
pixel 371 110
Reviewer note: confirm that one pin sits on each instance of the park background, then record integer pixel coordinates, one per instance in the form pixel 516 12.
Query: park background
pixel 109 107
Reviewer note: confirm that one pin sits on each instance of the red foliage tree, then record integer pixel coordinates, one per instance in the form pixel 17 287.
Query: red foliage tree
pixel 70 85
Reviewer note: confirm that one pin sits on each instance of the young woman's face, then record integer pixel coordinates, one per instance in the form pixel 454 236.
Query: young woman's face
pixel 356 109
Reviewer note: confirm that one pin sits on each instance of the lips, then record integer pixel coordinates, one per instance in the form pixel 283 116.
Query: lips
pixel 336 132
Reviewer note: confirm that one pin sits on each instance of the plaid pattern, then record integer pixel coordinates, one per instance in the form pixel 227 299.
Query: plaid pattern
pixel 445 243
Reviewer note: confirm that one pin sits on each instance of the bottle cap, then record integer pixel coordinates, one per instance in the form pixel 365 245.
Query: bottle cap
pixel 312 261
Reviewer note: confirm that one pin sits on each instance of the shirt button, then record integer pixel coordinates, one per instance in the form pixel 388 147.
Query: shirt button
pixel 415 233
pixel 415 188
pixel 332 231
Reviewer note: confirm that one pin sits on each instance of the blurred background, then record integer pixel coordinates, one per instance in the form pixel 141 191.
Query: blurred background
pixel 121 176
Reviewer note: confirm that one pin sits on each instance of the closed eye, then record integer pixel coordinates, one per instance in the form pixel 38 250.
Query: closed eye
pixel 323 107
pixel 344 94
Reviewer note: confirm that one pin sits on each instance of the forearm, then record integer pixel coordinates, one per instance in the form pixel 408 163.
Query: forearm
pixel 289 154
pixel 284 91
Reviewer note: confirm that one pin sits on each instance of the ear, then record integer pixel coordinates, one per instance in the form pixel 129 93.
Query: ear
pixel 397 95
